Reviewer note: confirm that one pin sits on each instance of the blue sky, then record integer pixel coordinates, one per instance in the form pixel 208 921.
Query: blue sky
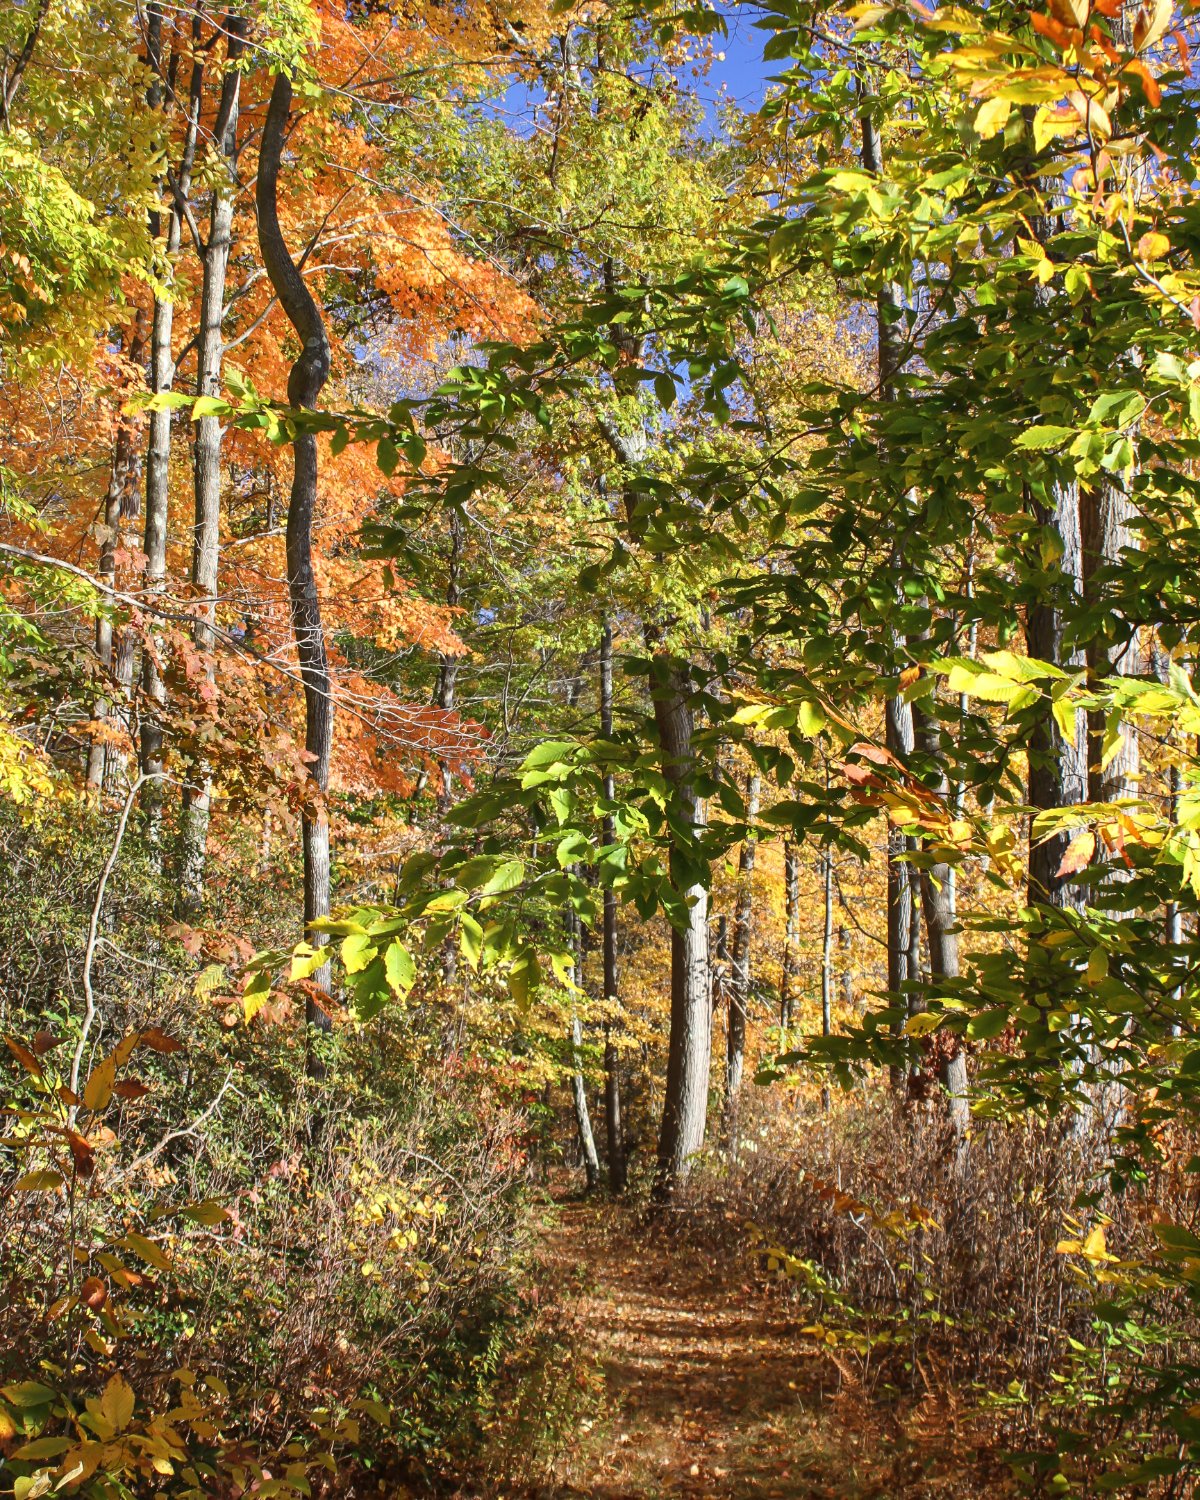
pixel 739 73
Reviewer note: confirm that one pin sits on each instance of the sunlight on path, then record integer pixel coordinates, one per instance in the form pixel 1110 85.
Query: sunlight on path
pixel 710 1391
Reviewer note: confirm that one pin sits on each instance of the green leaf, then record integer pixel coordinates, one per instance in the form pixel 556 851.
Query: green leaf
pixel 507 878
pixel 986 1025
pixel 1041 438
pixel 470 939
pixel 387 455
pixel 811 719
pixel 357 952
pixel 400 969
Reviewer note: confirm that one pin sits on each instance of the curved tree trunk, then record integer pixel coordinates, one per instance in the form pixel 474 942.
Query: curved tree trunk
pixel 305 382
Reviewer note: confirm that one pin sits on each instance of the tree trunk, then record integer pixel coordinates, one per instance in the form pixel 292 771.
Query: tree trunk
pixel 902 916
pixel 937 899
pixel 791 938
pixel 158 451
pixel 685 1106
pixel 613 1125
pixel 583 1116
pixel 739 987
pixel 1057 763
pixel 305 382
pixel 104 764
pixel 448 668
pixel 206 530
pixel 1105 519
pixel 827 954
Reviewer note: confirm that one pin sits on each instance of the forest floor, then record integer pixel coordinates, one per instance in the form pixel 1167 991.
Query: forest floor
pixel 707 1387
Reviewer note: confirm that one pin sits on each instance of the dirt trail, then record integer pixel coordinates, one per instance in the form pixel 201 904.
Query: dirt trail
pixel 711 1390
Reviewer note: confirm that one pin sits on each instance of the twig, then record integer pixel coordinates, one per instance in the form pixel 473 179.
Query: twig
pixel 186 1132
pixel 89 954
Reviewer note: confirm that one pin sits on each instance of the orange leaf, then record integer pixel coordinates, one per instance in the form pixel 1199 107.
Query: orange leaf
pixel 1078 854
pixel 1149 82
pixel 94 1292
pixel 1047 26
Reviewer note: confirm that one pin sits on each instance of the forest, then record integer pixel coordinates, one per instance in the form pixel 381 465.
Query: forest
pixel 599 749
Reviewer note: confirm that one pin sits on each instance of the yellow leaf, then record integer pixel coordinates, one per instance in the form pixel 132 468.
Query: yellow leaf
pixel 1094 1247
pixel 992 118
pixel 117 1402
pixel 44 1181
pixel 1153 246
pixel 923 1023
pixel 1152 28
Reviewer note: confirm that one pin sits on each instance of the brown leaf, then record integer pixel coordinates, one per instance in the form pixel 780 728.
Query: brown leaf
pixel 24 1056
pixel 158 1041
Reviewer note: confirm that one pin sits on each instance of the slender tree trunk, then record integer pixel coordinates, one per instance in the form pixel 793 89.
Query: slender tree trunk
pixel 937 898
pixel 583 1116
pixel 448 667
pixel 898 731
pixel 104 763
pixel 739 988
pixel 158 448
pixel 613 1124
pixel 206 530
pixel 305 382
pixel 791 938
pixel 827 955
